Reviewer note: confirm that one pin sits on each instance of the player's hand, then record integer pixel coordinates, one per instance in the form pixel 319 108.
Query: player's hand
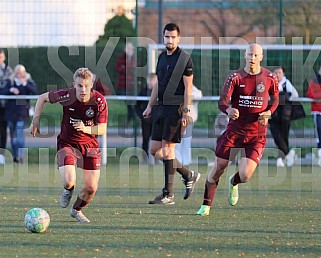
pixel 233 113
pixel 80 126
pixel 147 112
pixel 34 128
pixel 264 117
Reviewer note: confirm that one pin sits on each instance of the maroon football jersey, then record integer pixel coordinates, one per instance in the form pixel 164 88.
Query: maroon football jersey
pixel 250 95
pixel 91 113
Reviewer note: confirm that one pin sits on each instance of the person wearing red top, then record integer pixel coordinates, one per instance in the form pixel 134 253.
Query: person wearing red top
pixel 248 91
pixel 314 92
pixel 125 85
pixel 85 115
pixel 100 87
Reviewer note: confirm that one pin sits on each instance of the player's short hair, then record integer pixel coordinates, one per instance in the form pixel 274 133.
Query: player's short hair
pixel 83 73
pixel 172 27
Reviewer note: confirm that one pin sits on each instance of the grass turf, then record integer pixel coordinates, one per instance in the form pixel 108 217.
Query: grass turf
pixel 278 215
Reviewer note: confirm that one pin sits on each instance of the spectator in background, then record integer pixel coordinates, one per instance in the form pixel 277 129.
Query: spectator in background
pixel 125 67
pixel 100 87
pixel 184 148
pixel 280 122
pixel 17 110
pixel 314 92
pixel 146 122
pixel 5 73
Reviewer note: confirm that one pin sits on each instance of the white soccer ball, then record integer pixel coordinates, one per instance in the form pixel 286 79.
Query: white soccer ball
pixel 37 220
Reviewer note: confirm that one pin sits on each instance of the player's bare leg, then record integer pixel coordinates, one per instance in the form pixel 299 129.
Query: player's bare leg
pixel 246 170
pixel 211 184
pixel 91 179
pixel 68 175
pixel 156 149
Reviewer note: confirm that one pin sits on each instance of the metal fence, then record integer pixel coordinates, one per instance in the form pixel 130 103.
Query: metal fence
pixel 204 137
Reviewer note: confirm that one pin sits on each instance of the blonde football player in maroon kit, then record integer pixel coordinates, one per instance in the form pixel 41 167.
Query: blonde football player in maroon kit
pixel 245 99
pixel 85 115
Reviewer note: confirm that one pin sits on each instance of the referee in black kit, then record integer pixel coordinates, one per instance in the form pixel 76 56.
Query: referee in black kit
pixel 169 106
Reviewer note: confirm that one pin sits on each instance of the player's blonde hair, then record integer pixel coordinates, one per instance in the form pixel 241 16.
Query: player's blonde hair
pixel 83 73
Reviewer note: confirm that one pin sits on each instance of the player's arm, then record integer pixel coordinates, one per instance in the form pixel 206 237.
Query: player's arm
pixel 225 96
pixel 152 101
pixel 273 103
pixel 99 129
pixel 265 116
pixel 34 127
pixel 274 95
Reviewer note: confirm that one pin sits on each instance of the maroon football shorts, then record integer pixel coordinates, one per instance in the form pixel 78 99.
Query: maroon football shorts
pixel 230 143
pixel 86 156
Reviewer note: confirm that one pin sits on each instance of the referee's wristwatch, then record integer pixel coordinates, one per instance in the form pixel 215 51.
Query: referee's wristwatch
pixel 186 110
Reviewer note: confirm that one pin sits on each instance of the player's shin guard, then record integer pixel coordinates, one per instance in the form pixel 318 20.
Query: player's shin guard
pixel 79 204
pixel 236 179
pixel 209 192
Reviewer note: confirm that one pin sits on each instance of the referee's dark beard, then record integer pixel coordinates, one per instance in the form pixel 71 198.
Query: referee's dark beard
pixel 170 47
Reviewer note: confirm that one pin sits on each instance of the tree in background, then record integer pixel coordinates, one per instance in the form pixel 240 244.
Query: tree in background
pixel 118 26
pixel 219 25
pixel 260 15
pixel 257 16
pixel 300 18
pixel 305 15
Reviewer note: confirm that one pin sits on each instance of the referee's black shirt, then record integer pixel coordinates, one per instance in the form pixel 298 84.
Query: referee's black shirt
pixel 170 70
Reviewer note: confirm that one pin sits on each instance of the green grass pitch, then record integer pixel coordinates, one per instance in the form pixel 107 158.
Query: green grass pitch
pixel 278 215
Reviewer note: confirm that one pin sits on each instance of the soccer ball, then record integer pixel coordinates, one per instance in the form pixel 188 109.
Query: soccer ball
pixel 37 220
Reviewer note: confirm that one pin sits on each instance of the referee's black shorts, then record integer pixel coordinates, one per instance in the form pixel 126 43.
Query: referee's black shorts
pixel 167 123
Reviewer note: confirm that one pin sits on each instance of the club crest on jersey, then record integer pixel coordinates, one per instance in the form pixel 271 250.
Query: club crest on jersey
pixel 90 113
pixel 260 87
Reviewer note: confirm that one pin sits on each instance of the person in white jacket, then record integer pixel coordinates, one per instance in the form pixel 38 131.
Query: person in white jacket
pixel 184 148
pixel 281 120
